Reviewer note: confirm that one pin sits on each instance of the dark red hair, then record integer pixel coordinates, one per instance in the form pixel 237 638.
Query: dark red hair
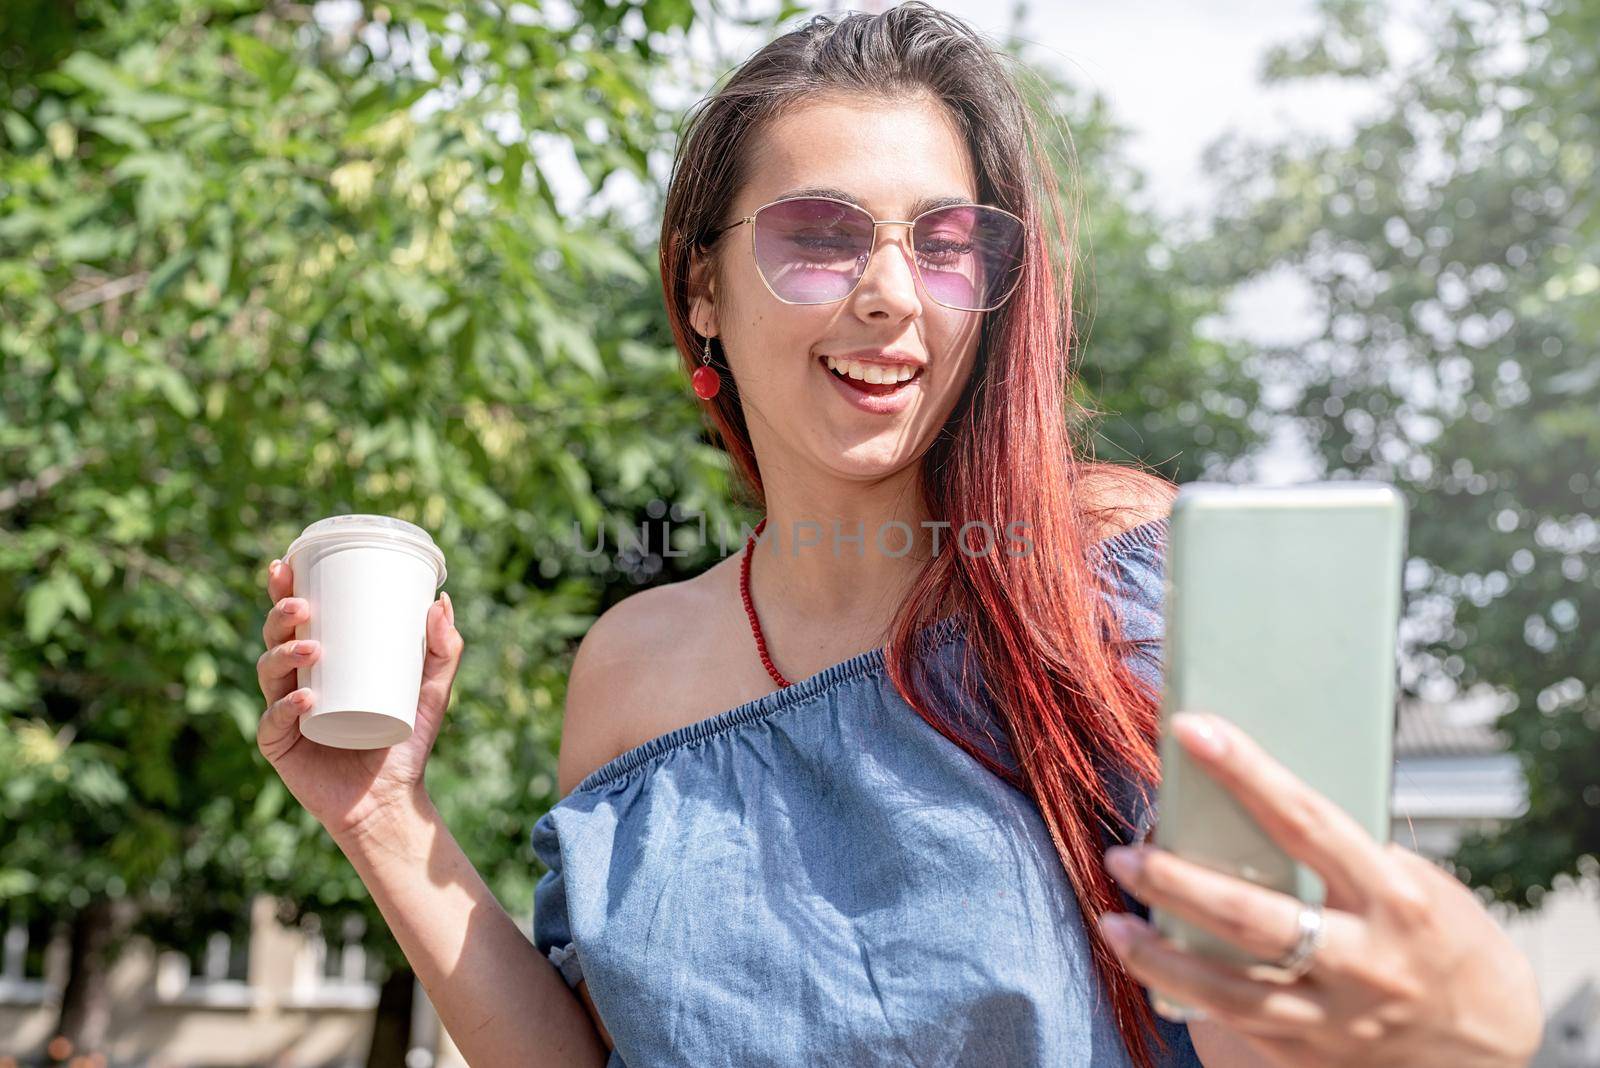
pixel 1050 654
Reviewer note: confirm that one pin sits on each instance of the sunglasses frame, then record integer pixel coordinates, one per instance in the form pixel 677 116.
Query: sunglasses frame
pixel 713 236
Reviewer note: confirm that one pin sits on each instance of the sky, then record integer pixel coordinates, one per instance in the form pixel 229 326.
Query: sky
pixel 1179 74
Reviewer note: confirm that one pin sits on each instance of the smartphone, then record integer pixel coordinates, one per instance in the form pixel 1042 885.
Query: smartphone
pixel 1282 609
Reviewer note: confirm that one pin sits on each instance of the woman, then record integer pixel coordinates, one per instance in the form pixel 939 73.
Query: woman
pixel 845 797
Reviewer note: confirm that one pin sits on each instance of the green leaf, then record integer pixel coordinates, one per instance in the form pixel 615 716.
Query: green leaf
pixel 266 64
pixel 377 104
pixel 245 713
pixel 580 492
pixel 97 784
pixel 164 275
pixel 87 245
pixel 608 258
pixel 120 129
pixel 92 72
pixel 167 185
pixel 176 389
pixel 16 882
pixel 634 464
pixel 201 670
pixel 48 602
pixel 18 131
pixel 424 452
pixel 148 107
pixel 214 267
pixel 73 594
pixel 663 15
pixel 563 337
pixel 270 801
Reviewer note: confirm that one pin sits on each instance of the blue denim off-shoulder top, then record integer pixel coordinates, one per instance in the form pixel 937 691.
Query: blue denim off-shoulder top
pixel 819 877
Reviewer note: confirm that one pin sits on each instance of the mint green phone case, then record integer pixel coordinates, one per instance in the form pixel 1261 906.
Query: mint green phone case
pixel 1282 611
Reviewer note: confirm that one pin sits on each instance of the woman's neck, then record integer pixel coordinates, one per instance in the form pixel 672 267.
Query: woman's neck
pixel 840 563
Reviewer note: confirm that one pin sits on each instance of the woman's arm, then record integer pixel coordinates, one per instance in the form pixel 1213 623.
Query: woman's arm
pixel 501 1001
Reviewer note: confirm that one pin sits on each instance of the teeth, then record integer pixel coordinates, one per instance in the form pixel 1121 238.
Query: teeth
pixel 871 373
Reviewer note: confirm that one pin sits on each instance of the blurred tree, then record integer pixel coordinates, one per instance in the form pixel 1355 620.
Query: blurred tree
pixel 257 268
pixel 1451 246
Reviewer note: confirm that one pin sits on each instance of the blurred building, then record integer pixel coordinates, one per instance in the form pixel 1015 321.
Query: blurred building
pixel 286 998
pixel 303 997
pixel 1452 774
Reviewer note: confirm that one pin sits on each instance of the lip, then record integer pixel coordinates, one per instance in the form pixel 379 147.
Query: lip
pixel 888 404
pixel 881 357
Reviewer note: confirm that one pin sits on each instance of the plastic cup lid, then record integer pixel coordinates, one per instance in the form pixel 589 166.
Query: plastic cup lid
pixel 367 526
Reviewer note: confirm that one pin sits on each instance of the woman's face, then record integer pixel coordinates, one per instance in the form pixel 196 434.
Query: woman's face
pixel 886 157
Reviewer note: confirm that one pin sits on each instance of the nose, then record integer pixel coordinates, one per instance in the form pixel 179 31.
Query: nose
pixel 889 284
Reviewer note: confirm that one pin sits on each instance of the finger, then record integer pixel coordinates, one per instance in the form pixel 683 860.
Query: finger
pixel 1245 1003
pixel 1303 822
pixel 441 628
pixel 280 580
pixel 277 668
pixel 439 667
pixel 287 613
pixel 279 728
pixel 1262 922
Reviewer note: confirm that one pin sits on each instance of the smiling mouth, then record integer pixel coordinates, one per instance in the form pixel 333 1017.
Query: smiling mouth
pixel 881 389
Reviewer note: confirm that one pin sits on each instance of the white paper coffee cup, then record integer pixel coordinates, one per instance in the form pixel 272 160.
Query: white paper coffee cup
pixel 370 580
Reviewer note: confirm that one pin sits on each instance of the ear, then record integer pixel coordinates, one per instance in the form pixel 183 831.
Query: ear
pixel 702 294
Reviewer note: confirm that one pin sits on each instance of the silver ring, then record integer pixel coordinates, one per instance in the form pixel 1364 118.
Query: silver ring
pixel 1312 934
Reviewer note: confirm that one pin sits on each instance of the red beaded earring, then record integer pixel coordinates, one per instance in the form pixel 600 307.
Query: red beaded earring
pixel 705 379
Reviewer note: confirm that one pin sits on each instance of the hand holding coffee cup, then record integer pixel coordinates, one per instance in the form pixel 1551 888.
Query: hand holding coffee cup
pixel 368 579
pixel 359 665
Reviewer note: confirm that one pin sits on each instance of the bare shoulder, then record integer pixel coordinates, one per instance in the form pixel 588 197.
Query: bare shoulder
pixel 1115 497
pixel 625 665
pixel 609 673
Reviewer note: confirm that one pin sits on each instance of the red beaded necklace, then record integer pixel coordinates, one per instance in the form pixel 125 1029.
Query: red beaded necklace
pixel 750 608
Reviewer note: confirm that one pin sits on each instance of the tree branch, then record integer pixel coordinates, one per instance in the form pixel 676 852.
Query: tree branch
pixel 116 287
pixel 11 496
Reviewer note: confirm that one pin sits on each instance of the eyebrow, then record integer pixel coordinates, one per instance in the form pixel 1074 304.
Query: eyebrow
pixel 925 204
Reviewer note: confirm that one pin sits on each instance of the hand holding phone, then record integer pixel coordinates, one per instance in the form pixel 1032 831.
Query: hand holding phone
pixel 1282 608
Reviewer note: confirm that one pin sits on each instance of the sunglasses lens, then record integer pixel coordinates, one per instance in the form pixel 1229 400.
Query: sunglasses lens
pixel 812 251
pixel 970 256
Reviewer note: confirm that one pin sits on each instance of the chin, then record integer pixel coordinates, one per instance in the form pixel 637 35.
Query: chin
pixel 881 457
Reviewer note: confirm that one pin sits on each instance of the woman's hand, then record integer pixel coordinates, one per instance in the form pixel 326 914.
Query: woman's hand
pixel 1413 971
pixel 347 790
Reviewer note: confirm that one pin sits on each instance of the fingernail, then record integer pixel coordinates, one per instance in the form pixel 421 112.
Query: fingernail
pixel 1119 930
pixel 275 565
pixel 1123 863
pixel 301 698
pixel 449 609
pixel 1201 732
